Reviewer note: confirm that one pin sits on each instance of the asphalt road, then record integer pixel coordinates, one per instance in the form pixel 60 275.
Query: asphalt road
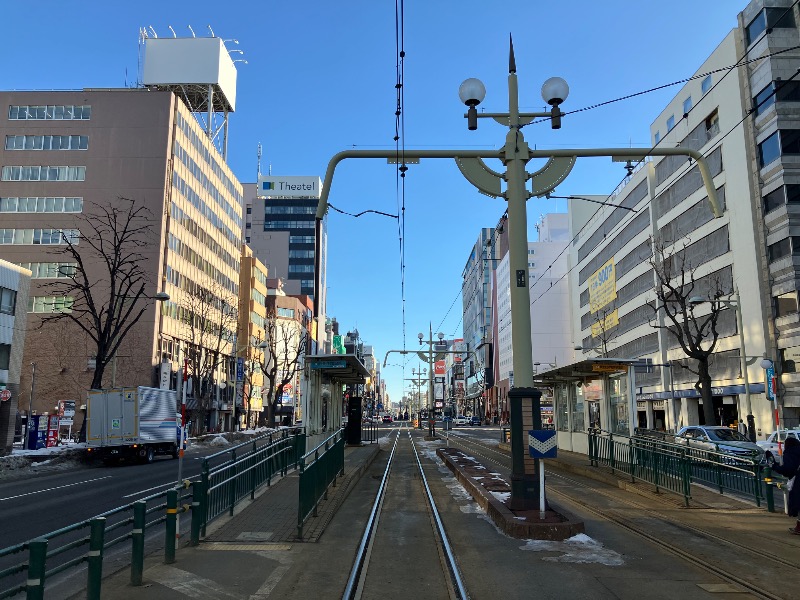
pixel 43 503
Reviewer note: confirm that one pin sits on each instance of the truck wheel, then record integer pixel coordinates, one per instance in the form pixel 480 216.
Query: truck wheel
pixel 175 453
pixel 150 455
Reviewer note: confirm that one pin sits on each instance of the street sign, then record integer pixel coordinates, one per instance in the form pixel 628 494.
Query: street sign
pixel 338 347
pixel 542 443
pixel 239 369
pixel 5 395
pixel 769 382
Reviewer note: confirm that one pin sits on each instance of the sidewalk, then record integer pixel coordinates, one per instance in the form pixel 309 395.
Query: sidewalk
pixel 230 561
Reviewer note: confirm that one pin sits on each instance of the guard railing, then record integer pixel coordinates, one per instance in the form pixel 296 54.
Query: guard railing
pixel 319 469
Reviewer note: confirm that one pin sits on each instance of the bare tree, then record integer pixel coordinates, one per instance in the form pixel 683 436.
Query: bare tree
pixel 697 335
pixel 105 293
pixel 286 342
pixel 605 321
pixel 209 317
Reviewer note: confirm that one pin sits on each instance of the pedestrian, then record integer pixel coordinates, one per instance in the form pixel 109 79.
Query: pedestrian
pixel 789 468
pixel 742 427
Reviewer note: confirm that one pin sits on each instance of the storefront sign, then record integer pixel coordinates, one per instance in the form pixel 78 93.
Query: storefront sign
pixel 602 286
pixel 609 367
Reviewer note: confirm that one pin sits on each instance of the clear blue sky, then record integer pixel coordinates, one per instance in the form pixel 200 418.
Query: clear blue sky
pixel 321 78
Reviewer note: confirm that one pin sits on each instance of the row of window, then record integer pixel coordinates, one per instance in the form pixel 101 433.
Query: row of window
pixel 286 312
pixel 290 210
pixel 39 236
pixel 301 268
pixel 786 194
pixel 59 204
pixel 222 200
pixel 705 85
pixel 50 270
pixel 50 304
pixel 196 200
pixel 776 91
pixel 301 239
pixel 50 113
pixel 258 297
pixel 187 316
pixel 47 142
pixel 301 254
pixel 288 225
pixel 200 144
pixel 43 173
pixel 8 301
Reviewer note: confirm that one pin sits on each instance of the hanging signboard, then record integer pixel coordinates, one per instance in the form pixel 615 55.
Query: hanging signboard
pixel 605 323
pixel 602 286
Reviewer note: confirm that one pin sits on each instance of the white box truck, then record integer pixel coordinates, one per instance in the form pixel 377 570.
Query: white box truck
pixel 132 423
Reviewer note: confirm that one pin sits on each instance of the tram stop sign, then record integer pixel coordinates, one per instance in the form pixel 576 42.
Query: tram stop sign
pixel 542 443
pixel 5 395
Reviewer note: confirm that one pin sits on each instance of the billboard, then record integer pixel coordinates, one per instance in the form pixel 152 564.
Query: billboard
pixel 602 286
pixel 289 186
pixel 439 368
pixel 604 323
pixel 458 346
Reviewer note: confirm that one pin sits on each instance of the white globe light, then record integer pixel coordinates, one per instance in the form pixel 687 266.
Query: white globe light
pixel 472 91
pixel 555 90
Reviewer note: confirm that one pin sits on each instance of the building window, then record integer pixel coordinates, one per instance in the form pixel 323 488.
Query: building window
pixel 687 106
pixel 785 304
pixel 670 123
pixel 706 84
pixel 50 304
pixel 769 18
pixel 786 194
pixel 301 239
pixel 286 312
pixel 249 210
pixel 57 204
pixel 247 240
pixel 779 249
pixel 49 113
pixel 8 301
pixel 764 99
pixel 712 124
pixel 301 268
pixel 5 356
pixel 658 137
pixel 44 173
pixel 769 150
pixel 248 225
pixel 47 142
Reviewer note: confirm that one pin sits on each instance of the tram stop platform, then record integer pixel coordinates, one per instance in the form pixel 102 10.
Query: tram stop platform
pixel 248 554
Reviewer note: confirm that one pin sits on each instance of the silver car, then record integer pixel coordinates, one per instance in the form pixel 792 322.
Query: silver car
pixel 719 439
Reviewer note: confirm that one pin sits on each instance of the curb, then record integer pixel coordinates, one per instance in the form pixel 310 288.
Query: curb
pixel 515 524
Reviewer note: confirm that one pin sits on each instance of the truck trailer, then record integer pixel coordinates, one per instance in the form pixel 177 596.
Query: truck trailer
pixel 132 423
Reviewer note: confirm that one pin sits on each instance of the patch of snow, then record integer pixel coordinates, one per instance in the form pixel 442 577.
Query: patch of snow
pixel 502 496
pixel 577 549
pixel 219 441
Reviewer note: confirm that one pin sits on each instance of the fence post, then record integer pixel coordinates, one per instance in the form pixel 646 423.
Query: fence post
pixel 632 458
pixel 233 482
pixel 204 500
pixel 770 491
pixel 37 556
pixel 198 493
pixel 95 559
pixel 592 451
pixel 686 470
pixel 137 541
pixel 171 527
pixel 612 454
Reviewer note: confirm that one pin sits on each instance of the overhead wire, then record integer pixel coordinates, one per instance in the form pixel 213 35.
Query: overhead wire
pixel 400 151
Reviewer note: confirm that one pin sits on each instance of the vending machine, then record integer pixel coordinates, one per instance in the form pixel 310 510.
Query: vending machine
pixel 52 431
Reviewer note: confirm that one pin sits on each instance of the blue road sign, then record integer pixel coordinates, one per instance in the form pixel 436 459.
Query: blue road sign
pixel 542 443
pixel 239 369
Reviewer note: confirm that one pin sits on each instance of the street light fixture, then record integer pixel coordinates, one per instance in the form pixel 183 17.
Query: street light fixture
pixel 736 304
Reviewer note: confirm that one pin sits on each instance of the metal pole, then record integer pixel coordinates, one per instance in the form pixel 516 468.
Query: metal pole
pixel 30 405
pixel 751 423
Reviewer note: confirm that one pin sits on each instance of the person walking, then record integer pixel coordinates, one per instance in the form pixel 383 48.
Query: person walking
pixel 789 468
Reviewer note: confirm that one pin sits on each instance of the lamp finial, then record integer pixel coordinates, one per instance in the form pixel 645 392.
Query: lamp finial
pixel 512 64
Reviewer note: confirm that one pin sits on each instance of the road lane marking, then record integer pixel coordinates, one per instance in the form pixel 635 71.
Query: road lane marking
pixel 188 583
pixel 60 487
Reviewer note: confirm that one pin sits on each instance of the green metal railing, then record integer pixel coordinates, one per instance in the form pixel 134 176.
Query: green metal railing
pixel 226 478
pixel 675 467
pixel 318 475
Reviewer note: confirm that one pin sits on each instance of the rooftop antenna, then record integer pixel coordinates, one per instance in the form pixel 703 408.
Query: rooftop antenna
pixel 173 31
pixel 211 30
pixel 153 31
pixel 192 30
pixel 259 159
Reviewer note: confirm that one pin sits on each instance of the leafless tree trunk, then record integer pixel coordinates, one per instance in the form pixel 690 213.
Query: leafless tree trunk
pixel 697 335
pixel 286 345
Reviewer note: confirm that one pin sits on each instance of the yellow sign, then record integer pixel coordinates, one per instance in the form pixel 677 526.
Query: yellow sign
pixel 601 326
pixel 609 367
pixel 602 286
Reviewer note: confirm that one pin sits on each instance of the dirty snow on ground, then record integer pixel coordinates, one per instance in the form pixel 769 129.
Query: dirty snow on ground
pixel 502 496
pixel 577 549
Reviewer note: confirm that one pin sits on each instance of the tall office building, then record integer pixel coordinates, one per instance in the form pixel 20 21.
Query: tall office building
pixel 69 154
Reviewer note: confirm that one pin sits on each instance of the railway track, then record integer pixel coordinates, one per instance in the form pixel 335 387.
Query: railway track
pixel 405 527
pixel 696 544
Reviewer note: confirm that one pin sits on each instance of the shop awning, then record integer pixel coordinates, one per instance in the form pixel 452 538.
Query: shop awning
pixel 585 370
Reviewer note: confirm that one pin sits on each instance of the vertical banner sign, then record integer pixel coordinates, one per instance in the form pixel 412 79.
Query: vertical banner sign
pixel 239 369
pixel 338 347
pixel 439 368
pixel 769 383
pixel 602 286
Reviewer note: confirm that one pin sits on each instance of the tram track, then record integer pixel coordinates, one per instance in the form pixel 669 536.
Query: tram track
pixel 778 564
pixel 404 486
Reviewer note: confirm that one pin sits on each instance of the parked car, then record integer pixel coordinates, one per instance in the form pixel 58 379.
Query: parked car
pixel 387 418
pixel 460 420
pixel 772 452
pixel 719 439
pixel 475 420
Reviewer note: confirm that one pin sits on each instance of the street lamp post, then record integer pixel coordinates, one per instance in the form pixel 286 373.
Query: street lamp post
pixel 736 304
pixel 431 410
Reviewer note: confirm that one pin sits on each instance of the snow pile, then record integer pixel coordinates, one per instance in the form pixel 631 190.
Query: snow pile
pixel 577 549
pixel 219 440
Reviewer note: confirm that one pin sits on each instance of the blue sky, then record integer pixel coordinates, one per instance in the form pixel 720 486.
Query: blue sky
pixel 321 78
